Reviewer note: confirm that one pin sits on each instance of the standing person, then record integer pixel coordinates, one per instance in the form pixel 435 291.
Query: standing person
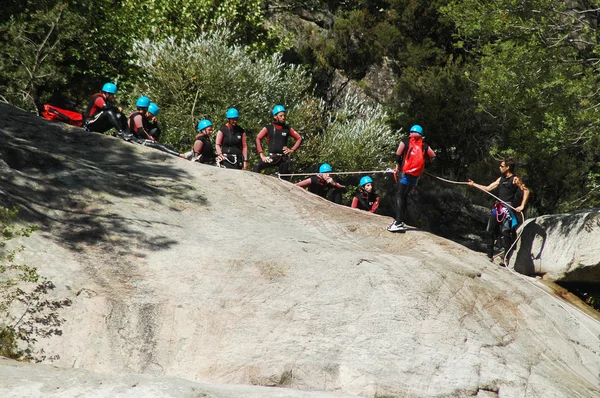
pixel 410 158
pixel 101 114
pixel 323 185
pixel 366 198
pixel 278 134
pixel 138 120
pixel 203 151
pixel 232 150
pixel 503 220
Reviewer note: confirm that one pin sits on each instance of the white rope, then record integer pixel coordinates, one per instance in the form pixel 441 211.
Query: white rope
pixel 388 170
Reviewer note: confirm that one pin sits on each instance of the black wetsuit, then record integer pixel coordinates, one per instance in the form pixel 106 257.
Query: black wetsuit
pixel 101 116
pixel 232 147
pixel 207 156
pixel 320 187
pixel 366 200
pixel 500 224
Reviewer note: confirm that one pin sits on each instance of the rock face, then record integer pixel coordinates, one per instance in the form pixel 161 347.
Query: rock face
pixel 562 247
pixel 220 276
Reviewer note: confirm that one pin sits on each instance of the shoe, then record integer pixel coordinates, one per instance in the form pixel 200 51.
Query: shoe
pixel 396 227
pixel 123 135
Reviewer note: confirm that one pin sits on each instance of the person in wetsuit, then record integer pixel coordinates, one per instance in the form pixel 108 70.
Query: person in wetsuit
pixel 410 164
pixel 277 134
pixel 503 221
pixel 139 124
pixel 323 185
pixel 151 117
pixel 101 114
pixel 203 151
pixel 232 150
pixel 366 199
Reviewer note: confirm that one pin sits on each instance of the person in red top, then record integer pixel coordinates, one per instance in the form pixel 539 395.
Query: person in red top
pixel 232 150
pixel 323 185
pixel 366 198
pixel 277 134
pixel 138 120
pixel 410 158
pixel 102 115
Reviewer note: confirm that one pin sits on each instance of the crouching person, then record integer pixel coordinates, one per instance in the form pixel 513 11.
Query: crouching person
pixel 366 198
pixel 102 114
pixel 323 185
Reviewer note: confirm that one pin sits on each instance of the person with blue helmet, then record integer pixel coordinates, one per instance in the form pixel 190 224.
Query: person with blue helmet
pixel 152 118
pixel 366 198
pixel 102 114
pixel 411 155
pixel 138 121
pixel 323 184
pixel 277 135
pixel 232 149
pixel 203 151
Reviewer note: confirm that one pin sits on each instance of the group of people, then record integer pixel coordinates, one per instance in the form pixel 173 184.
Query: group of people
pixel 231 151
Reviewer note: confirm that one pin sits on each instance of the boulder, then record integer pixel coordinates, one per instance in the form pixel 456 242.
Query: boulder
pixel 204 275
pixel 561 247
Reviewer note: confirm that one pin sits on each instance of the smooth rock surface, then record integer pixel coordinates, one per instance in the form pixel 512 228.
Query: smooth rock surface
pixel 184 270
pixel 561 247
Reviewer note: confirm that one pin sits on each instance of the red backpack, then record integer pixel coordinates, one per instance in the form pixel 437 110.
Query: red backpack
pixel 414 156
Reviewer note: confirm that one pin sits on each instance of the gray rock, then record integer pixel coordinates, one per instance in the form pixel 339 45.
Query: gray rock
pixel 562 247
pixel 182 270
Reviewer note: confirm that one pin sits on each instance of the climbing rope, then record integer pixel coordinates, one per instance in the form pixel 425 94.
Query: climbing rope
pixel 518 274
pixel 388 170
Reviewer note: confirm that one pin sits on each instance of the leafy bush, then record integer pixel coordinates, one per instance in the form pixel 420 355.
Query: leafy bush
pixel 26 312
pixel 192 79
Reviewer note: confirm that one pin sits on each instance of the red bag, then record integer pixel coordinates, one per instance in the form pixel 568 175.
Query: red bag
pixel 53 113
pixel 414 157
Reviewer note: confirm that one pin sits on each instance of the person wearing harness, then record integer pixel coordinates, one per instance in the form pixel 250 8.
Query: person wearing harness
pixel 410 158
pixel 366 199
pixel 138 121
pixel 278 134
pixel 232 151
pixel 101 114
pixel 503 221
pixel 323 185
pixel 203 151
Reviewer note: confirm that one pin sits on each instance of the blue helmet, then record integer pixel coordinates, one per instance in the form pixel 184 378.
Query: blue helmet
pixel 365 180
pixel 278 109
pixel 416 129
pixel 202 124
pixel 325 168
pixel 143 102
pixel 153 109
pixel 110 88
pixel 232 113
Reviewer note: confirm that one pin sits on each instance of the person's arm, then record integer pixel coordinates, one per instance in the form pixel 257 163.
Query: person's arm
pixel 298 139
pixel 519 183
pixel 138 127
pixel 259 149
pixel 219 144
pixel 303 183
pixel 488 188
pixel 245 152
pixel 375 205
pixel 430 153
pixel 399 154
pixel 198 147
pixel 354 203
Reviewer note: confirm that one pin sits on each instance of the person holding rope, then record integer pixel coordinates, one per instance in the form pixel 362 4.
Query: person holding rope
pixel 323 185
pixel 277 134
pixel 366 199
pixel 503 221
pixel 410 158
pixel 102 114
pixel 232 150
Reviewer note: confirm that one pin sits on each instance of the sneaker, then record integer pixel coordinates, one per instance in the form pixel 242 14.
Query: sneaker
pixel 123 135
pixel 396 227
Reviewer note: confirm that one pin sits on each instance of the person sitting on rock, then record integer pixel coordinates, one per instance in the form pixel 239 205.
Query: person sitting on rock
pixel 232 150
pixel 101 114
pixel 277 134
pixel 366 198
pixel 203 151
pixel 323 185
pixel 139 125
pixel 503 221
pixel 152 118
